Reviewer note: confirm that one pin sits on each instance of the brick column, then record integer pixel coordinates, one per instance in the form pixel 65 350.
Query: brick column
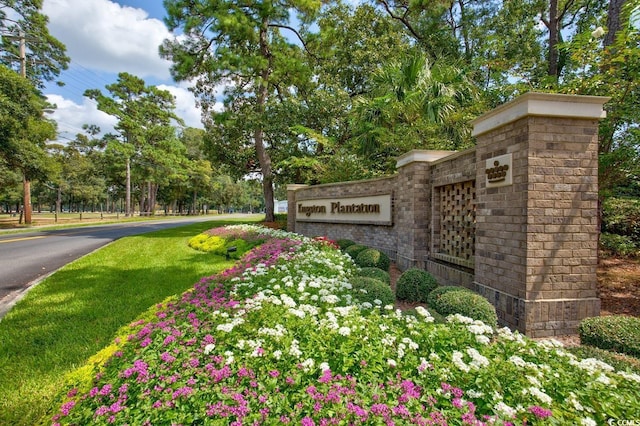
pixel 291 205
pixel 413 206
pixel 536 231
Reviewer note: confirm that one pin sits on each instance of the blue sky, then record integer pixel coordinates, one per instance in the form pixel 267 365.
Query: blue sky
pixel 103 38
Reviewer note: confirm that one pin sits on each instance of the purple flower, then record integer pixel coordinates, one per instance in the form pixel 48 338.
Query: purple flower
pixel 307 421
pixel 539 412
pixel 106 390
pixel 67 406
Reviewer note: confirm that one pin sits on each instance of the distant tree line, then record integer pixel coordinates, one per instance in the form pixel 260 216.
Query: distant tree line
pixel 336 94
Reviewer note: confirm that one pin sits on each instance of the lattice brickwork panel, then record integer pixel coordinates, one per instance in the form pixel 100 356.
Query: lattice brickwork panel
pixel 458 220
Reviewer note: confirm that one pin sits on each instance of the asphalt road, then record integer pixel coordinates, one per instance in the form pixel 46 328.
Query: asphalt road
pixel 26 258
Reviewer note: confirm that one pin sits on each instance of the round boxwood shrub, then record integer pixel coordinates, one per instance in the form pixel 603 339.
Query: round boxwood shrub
pixel 369 290
pixel 414 285
pixel 377 273
pixel 354 249
pixel 466 303
pixel 618 333
pixel 373 258
pixel 434 295
pixel 344 243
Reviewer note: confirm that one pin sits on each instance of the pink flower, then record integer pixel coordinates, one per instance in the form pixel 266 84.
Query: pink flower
pixel 539 412
pixel 67 406
pixel 307 421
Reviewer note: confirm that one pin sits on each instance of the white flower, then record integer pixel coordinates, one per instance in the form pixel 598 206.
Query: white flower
pixel 277 354
pixel 209 348
pixel 504 410
pixel 391 363
pixel 456 358
pixel 477 361
pixel 598 32
pixel 412 345
pixel 588 422
pixel 344 331
pixel 573 400
pixel 603 379
pixel 593 365
pixel 534 381
pixel 540 395
pixel 630 376
pixel 483 340
pixel 474 394
pixel 324 366
pixel 307 365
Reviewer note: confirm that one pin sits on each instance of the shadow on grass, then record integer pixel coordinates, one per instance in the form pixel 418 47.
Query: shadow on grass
pixel 77 311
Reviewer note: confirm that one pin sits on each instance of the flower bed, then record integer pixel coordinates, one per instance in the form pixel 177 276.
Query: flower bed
pixel 282 339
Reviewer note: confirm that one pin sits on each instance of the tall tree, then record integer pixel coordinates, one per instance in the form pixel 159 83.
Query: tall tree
pixel 145 115
pixel 24 130
pixel 25 37
pixel 241 45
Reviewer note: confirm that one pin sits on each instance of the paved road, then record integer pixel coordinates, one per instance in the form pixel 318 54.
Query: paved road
pixel 25 258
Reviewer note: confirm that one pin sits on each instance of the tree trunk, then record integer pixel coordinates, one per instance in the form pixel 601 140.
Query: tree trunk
pixel 613 21
pixel 553 39
pixel 153 196
pixel 258 134
pixel 26 185
pixel 127 199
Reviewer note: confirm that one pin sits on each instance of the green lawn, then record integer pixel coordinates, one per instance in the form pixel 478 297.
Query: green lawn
pixel 76 311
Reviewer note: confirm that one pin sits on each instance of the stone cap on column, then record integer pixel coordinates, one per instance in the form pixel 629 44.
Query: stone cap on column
pixel 422 156
pixel 296 186
pixel 541 104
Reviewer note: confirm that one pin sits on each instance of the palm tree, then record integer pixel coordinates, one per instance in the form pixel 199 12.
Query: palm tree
pixel 415 104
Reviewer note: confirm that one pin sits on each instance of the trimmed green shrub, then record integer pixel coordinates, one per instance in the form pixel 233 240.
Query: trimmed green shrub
pixel 344 243
pixel 618 245
pixel 369 290
pixel 434 295
pixel 207 243
pixel 622 216
pixel 618 333
pixel 373 258
pixel 219 245
pixel 414 285
pixel 376 273
pixel 466 303
pixel 355 249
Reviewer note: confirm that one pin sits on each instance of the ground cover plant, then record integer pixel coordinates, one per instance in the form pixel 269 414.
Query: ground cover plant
pixel 75 312
pixel 281 338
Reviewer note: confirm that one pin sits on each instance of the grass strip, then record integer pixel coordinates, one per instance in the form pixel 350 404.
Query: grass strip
pixel 75 312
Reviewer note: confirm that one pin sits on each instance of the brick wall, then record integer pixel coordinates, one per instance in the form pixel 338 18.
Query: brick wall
pixel 536 233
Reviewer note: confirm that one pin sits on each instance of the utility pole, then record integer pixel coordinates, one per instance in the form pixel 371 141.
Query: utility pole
pixel 26 183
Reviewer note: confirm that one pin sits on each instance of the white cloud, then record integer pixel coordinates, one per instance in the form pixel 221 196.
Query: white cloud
pixel 71 116
pixel 102 35
pixel 185 105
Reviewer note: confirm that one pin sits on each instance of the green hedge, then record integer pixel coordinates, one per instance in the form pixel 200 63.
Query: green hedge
pixel 355 249
pixel 344 243
pixel 376 273
pixel 618 333
pixel 618 245
pixel 369 290
pixel 467 303
pixel 434 295
pixel 414 285
pixel 621 216
pixel 373 258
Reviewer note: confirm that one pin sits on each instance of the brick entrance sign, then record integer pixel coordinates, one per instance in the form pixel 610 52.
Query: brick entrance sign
pixel 514 218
